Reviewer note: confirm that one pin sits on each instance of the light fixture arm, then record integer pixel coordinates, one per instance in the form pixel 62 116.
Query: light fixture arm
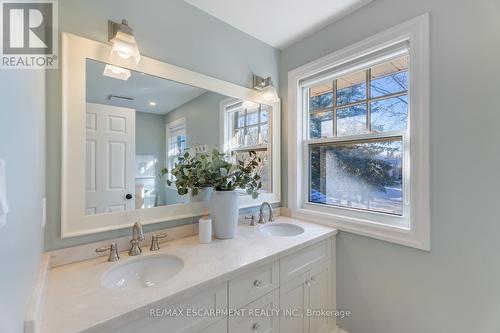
pixel 114 28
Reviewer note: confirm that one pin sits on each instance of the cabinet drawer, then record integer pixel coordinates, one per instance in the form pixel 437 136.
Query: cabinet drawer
pixel 301 261
pixel 252 285
pixel 219 327
pixel 264 320
pixel 180 321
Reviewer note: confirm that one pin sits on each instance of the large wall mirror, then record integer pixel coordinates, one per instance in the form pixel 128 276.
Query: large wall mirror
pixel 123 125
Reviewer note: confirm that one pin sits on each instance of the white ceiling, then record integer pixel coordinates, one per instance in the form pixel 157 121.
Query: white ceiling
pixel 278 23
pixel 168 95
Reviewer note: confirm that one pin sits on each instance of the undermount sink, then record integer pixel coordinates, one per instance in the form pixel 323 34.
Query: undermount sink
pixel 142 273
pixel 281 229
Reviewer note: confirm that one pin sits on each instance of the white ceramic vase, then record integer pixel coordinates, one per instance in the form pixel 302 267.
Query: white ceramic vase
pixel 224 213
pixel 204 194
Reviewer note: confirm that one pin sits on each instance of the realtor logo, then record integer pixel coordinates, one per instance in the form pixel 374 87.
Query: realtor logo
pixel 29 34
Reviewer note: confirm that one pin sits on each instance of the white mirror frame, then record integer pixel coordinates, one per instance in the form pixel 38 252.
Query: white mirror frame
pixel 74 222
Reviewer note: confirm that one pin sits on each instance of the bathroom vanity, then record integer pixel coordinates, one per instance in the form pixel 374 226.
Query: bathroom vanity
pixel 260 281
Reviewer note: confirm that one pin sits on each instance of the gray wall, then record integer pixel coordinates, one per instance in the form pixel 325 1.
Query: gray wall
pixel 150 140
pixel 202 119
pixel 171 31
pixel 22 117
pixel 455 287
pixel 202 127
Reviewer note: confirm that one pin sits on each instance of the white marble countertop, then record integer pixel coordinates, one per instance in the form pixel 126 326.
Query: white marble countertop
pixel 75 300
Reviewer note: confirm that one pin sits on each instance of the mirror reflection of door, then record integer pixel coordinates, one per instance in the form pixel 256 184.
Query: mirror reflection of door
pixel 110 150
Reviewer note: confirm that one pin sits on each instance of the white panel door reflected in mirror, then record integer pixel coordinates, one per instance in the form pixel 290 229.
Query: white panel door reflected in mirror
pixel 137 124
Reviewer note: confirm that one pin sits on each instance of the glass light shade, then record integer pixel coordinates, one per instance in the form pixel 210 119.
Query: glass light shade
pixel 125 47
pixel 116 72
pixel 270 94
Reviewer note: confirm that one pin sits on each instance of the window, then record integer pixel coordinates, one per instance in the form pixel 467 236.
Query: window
pixel 248 129
pixel 359 157
pixel 176 142
pixel 145 181
pixel 362 118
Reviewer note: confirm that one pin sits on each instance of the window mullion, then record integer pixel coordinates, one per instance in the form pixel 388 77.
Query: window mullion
pixel 334 101
pixel 388 96
pixel 258 122
pixel 368 97
pixel 245 129
pixel 359 138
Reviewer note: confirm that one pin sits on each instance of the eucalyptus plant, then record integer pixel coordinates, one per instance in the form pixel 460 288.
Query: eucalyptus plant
pixel 194 173
pixel 227 176
pixel 190 173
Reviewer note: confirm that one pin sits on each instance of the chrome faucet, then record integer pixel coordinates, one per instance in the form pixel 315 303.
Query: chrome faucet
pixel 155 246
pixel 137 238
pixel 251 218
pixel 262 219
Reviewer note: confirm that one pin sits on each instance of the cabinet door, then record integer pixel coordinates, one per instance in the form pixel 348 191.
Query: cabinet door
pixel 294 298
pixel 320 297
pixel 304 260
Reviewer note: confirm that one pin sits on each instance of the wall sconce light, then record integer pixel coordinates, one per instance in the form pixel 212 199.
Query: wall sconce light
pixel 116 72
pixel 266 87
pixel 123 40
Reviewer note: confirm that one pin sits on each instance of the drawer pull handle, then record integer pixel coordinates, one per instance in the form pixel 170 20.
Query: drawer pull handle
pixel 256 327
pixel 257 283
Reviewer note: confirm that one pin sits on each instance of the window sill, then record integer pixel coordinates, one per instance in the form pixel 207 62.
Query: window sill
pixel 418 239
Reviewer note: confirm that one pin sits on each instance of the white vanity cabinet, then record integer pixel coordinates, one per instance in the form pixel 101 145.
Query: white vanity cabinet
pixel 307 282
pixel 311 290
pixel 272 278
pixel 296 283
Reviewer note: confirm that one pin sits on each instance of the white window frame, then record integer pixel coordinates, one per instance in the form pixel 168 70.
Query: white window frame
pixel 174 126
pixel 413 228
pixel 273 148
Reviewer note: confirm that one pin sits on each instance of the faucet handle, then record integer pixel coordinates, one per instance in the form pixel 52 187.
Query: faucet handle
pixel 252 218
pixel 154 241
pixel 113 252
